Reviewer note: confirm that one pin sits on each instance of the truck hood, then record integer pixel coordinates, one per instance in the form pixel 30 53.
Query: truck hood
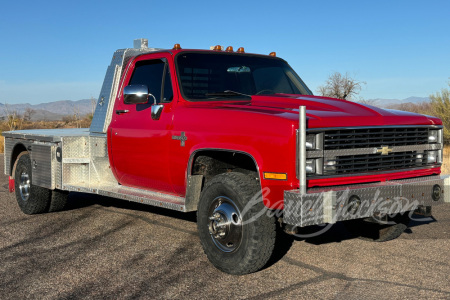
pixel 330 112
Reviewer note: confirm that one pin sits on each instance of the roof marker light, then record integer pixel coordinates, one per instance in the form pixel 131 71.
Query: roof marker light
pixel 218 48
pixel 229 49
pixel 176 47
pixel 273 54
pixel 240 50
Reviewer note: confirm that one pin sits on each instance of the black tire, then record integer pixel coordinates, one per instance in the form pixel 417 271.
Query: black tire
pixel 371 229
pixel 32 199
pixel 58 200
pixel 234 253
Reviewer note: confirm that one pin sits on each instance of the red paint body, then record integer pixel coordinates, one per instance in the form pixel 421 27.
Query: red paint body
pixel 143 153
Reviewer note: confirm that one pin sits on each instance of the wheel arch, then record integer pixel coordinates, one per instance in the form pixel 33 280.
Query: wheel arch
pixel 242 160
pixel 18 150
pixel 213 161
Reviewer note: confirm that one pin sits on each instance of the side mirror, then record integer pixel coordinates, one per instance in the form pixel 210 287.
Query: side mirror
pixel 138 94
pixel 135 94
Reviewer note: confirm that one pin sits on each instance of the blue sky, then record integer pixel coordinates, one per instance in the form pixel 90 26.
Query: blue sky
pixel 59 50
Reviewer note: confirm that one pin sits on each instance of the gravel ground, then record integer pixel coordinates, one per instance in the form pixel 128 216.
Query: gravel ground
pixel 105 248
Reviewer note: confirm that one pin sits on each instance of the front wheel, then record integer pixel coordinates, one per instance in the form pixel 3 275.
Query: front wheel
pixel 235 229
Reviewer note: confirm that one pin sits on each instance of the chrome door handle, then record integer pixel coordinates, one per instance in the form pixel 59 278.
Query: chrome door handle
pixel 122 111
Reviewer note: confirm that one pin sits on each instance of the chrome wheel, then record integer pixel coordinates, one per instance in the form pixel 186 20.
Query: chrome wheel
pixel 24 186
pixel 225 224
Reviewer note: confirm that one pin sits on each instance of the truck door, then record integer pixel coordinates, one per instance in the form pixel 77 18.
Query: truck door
pixel 139 144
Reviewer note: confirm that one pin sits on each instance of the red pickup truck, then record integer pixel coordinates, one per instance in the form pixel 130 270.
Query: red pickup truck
pixel 240 139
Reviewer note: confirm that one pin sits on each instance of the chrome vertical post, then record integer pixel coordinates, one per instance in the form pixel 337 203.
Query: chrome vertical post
pixel 302 148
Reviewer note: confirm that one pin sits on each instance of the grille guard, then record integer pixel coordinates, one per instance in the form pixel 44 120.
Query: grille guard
pixel 330 205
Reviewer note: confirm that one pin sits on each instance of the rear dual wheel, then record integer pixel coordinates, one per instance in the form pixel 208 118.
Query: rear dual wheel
pixel 33 199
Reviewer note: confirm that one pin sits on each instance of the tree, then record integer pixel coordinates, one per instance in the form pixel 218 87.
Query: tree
pixel 440 107
pixel 28 114
pixel 13 119
pixel 93 104
pixel 340 86
pixel 76 115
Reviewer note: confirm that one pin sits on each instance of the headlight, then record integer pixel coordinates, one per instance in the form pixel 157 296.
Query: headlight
pixel 434 157
pixel 310 142
pixel 431 157
pixel 314 141
pixel 433 136
pixel 310 166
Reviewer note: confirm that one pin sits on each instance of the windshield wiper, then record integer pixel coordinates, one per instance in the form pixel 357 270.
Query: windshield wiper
pixel 226 93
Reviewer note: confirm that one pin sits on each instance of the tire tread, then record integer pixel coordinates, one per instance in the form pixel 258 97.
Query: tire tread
pixel 260 242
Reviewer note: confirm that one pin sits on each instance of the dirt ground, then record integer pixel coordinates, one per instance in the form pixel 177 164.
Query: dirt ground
pixel 105 248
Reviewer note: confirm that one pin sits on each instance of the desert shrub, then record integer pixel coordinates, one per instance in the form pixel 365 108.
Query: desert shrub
pixel 420 108
pixel 440 107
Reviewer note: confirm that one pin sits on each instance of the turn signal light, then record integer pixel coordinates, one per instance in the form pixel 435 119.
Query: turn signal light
pixel 176 47
pixel 240 50
pixel 275 176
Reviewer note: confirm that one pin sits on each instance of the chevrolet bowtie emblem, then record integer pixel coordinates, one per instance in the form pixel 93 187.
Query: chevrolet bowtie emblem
pixel 385 150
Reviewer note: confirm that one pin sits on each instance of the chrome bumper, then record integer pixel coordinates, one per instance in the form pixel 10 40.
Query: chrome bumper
pixel 330 205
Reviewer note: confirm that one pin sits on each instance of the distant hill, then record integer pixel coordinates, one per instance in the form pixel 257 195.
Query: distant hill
pixel 56 110
pixel 390 102
pixel 50 111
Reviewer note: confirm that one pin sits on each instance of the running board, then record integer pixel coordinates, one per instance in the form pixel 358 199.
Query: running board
pixel 134 195
pixel 147 197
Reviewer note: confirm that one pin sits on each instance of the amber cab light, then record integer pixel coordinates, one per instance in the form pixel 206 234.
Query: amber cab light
pixel 229 49
pixel 176 47
pixel 273 54
pixel 240 50
pixel 217 48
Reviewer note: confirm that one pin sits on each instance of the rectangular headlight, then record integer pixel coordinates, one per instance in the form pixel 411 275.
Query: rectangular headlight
pixel 434 157
pixel 314 141
pixel 433 136
pixel 310 166
pixel 310 142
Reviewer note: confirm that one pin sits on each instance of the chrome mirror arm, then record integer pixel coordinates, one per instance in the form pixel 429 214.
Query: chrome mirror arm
pixel 154 99
pixel 156 108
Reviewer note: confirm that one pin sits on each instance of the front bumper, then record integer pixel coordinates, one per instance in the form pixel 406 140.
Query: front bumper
pixel 330 205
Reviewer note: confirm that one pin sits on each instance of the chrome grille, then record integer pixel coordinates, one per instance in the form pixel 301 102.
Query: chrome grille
pixel 374 162
pixel 374 137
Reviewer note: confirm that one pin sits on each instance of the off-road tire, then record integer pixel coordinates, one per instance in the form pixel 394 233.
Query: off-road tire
pixel 371 230
pixel 32 199
pixel 258 237
pixel 58 200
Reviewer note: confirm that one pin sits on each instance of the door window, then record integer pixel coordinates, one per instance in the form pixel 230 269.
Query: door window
pixel 156 76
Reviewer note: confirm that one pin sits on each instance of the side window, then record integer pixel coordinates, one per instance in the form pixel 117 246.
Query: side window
pixel 150 73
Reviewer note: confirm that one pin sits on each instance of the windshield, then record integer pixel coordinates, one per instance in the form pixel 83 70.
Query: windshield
pixel 210 76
